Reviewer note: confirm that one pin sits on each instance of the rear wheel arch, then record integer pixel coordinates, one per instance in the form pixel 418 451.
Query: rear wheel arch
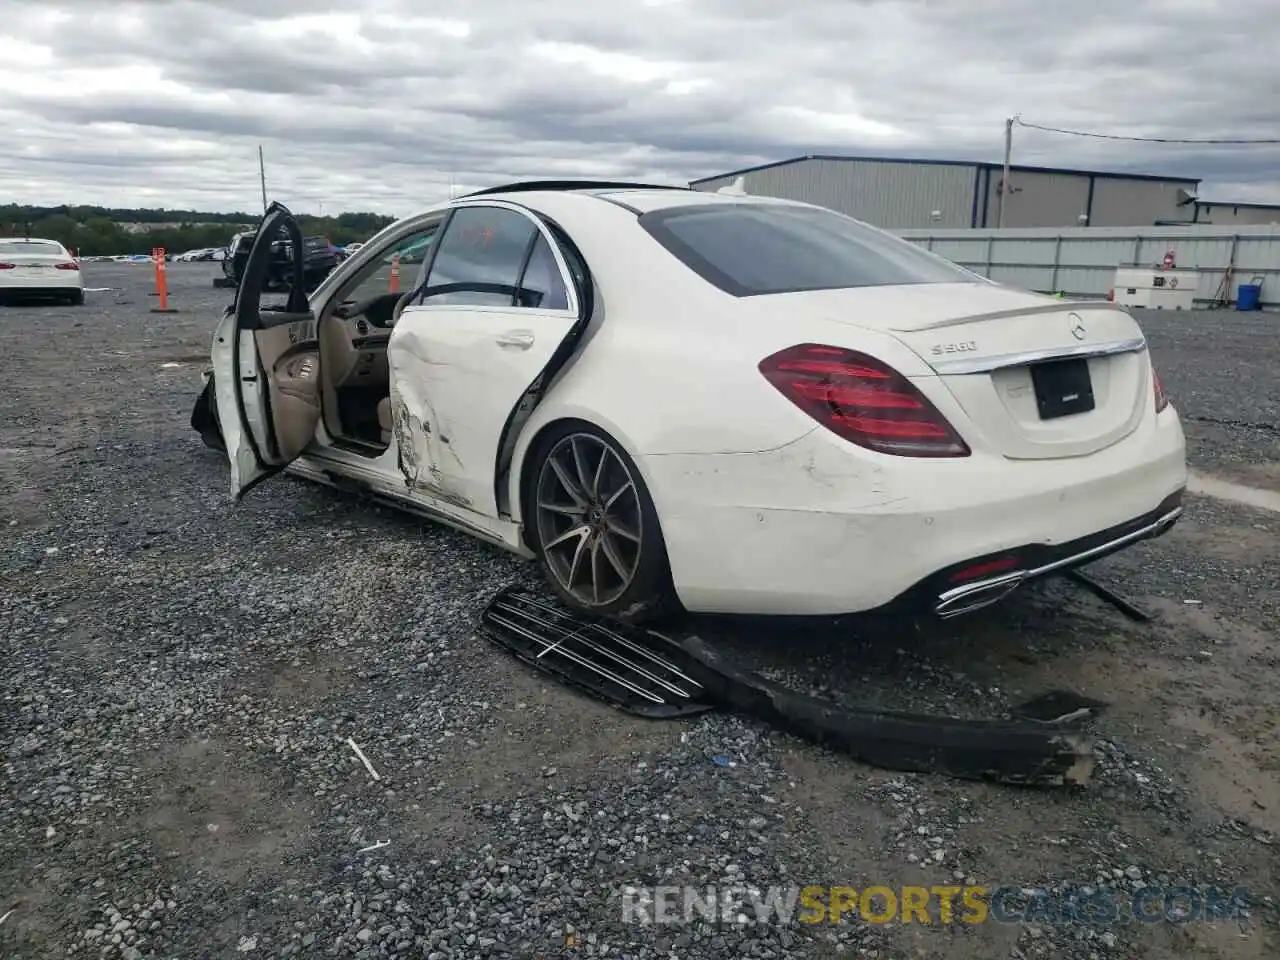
pixel 537 445
pixel 652 594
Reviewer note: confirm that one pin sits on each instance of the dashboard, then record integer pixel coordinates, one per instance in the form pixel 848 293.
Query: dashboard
pixel 375 312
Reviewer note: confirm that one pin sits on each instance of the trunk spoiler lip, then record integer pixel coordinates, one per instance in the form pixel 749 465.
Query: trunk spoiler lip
pixel 1057 306
pixel 967 365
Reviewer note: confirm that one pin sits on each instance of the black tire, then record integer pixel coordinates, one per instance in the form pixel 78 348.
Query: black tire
pixel 649 595
pixel 76 299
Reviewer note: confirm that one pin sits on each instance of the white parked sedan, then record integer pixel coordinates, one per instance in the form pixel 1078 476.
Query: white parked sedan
pixel 730 403
pixel 40 267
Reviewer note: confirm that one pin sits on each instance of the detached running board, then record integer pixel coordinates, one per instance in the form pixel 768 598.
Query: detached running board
pixel 652 675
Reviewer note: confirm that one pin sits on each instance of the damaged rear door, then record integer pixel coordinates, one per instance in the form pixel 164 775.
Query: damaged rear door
pixel 499 312
pixel 266 365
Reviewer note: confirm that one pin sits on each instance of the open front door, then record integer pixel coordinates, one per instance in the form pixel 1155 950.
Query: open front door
pixel 266 365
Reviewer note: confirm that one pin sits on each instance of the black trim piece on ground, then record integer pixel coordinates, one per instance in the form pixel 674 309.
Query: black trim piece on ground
pixel 1024 751
pixel 652 675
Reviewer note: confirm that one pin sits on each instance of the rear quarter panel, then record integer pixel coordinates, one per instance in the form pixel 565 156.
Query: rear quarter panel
pixel 669 364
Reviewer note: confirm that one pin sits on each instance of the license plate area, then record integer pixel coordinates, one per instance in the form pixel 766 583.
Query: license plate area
pixel 1063 388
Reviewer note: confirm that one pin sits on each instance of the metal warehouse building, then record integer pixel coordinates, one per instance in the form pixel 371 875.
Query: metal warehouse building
pixel 903 194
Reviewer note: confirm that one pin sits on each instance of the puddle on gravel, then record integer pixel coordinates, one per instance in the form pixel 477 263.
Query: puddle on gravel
pixel 1234 492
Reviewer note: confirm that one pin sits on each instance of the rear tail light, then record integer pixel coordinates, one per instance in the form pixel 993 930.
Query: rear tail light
pixel 1162 398
pixel 67 266
pixel 7 266
pixel 862 400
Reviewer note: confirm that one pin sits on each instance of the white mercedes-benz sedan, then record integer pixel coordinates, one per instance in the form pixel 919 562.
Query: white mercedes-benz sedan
pixel 727 403
pixel 41 268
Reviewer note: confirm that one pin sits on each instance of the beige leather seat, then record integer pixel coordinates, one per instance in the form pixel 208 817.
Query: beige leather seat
pixel 384 418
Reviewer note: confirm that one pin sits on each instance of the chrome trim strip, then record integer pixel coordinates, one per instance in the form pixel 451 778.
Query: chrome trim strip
pixel 1060 306
pixel 966 365
pixel 946 604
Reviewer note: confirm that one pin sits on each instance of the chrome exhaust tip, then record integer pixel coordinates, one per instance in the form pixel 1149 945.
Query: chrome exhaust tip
pixel 967 599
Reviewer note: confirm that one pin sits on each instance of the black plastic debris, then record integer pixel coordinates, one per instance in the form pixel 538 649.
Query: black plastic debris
pixel 204 417
pixel 654 675
pixel 1021 750
pixel 627 668
pixel 1107 595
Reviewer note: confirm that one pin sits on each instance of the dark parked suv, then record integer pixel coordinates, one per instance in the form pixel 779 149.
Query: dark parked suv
pixel 319 258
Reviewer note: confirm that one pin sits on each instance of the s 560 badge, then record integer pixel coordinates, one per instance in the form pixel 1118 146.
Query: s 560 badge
pixel 963 346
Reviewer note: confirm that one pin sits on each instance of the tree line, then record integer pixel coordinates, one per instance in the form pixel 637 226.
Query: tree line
pixel 96 231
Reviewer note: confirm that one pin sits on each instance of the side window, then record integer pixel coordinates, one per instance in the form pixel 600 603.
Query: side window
pixel 542 286
pixel 412 251
pixel 480 259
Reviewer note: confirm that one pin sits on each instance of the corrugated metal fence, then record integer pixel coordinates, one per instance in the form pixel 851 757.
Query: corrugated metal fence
pixel 1081 261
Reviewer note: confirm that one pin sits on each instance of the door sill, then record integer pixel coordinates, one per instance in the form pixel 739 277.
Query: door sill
pixel 362 448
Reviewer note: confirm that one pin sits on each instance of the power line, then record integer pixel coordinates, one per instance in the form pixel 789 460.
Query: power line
pixel 1113 136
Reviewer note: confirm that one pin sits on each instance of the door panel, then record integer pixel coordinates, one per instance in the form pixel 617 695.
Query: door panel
pixel 267 366
pixel 290 355
pixel 457 375
pixel 471 345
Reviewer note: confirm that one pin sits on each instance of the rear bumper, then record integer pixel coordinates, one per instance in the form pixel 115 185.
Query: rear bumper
pixel 963 589
pixel 817 528
pixel 45 281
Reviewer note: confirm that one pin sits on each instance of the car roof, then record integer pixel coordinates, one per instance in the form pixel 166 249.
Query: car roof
pixel 636 197
pixel 29 240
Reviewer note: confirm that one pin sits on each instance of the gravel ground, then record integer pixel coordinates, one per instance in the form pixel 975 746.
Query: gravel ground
pixel 180 676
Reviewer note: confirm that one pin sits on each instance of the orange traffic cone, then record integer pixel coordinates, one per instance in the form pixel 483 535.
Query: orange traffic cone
pixel 162 282
pixel 393 283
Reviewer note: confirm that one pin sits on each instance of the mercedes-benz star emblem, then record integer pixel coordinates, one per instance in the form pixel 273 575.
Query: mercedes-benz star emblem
pixel 1077 326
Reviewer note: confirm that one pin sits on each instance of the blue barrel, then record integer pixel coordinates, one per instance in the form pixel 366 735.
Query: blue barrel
pixel 1249 296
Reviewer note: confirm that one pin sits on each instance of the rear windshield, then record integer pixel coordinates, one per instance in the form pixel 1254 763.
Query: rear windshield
pixel 41 247
pixel 747 249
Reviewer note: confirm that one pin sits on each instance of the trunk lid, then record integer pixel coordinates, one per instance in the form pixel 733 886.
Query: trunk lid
pixel 32 264
pixel 1015 361
pixel 25 257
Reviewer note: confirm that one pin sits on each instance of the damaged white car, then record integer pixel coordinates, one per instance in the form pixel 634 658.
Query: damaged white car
pixel 727 403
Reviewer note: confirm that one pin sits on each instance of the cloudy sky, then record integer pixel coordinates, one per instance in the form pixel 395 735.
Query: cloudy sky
pixel 387 104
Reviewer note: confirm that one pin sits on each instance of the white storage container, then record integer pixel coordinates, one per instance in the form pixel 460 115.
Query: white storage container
pixel 1156 289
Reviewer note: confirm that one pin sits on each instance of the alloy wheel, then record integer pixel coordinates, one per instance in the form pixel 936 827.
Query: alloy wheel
pixel 590 524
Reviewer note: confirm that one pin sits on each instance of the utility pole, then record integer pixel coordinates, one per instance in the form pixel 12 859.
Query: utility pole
pixel 1004 179
pixel 262 178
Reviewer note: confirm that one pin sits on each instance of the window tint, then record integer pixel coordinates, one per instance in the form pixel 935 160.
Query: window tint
pixel 747 249
pixel 481 246
pixel 542 285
